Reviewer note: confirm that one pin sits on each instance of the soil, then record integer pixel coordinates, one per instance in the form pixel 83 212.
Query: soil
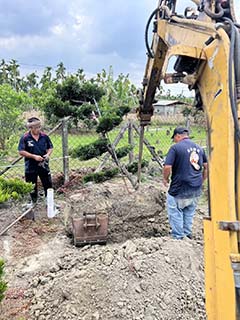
pixel 140 274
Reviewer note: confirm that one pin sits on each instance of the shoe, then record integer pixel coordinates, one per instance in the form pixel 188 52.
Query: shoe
pixel 28 205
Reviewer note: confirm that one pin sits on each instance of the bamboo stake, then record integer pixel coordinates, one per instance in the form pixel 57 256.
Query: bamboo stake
pixel 147 144
pixel 114 144
pixel 15 221
pixel 140 154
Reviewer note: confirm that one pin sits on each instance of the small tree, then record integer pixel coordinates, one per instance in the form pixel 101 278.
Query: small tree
pixel 3 284
pixel 74 98
pixel 119 92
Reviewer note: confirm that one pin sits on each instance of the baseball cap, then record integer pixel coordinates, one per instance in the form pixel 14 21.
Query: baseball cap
pixel 179 130
pixel 33 122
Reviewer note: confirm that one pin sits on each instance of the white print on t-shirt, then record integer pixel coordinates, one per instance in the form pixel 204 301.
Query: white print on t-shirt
pixel 194 157
pixel 30 143
pixel 193 149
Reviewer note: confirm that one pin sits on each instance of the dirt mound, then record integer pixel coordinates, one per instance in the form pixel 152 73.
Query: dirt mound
pixel 131 214
pixel 141 274
pixel 146 279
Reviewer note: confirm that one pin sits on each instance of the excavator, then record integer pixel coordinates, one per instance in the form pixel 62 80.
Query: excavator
pixel 204 44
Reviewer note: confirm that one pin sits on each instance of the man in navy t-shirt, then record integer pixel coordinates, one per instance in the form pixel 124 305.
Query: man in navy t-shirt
pixel 186 162
pixel 36 147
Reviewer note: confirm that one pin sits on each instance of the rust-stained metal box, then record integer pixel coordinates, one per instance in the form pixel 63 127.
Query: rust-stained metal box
pixel 90 229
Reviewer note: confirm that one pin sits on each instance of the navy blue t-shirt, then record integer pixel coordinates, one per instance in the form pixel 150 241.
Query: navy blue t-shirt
pixel 186 159
pixel 40 147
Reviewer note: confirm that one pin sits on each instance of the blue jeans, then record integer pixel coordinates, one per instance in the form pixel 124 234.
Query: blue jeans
pixel 180 215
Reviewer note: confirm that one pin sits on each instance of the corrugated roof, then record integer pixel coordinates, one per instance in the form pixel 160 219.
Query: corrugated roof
pixel 167 103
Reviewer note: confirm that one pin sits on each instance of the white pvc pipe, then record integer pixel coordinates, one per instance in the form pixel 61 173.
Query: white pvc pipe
pixel 50 203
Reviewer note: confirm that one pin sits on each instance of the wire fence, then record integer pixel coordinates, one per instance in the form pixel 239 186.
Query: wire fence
pixel 66 137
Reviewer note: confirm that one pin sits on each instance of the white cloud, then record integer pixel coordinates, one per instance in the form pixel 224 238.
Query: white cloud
pixel 58 29
pixel 88 34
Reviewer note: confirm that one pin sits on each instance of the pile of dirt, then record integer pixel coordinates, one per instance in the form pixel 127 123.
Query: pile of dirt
pixel 146 279
pixel 141 274
pixel 131 214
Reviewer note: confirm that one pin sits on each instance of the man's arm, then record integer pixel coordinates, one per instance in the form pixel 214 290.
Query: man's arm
pixel 167 169
pixel 27 154
pixel 49 152
pixel 205 171
pixel 50 148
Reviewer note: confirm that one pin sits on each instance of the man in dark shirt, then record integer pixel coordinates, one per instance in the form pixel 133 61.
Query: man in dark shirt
pixel 36 147
pixel 186 162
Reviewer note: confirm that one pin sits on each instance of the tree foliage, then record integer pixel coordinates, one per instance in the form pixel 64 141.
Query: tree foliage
pixel 118 93
pixel 91 150
pixel 73 98
pixel 101 176
pixel 12 104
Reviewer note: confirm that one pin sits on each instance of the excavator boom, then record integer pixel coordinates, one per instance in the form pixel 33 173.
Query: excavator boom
pixel 205 42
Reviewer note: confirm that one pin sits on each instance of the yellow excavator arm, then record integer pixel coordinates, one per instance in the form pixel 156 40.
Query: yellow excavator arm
pixel 205 42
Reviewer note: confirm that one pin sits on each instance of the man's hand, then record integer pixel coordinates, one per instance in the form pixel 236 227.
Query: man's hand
pixel 166 174
pixel 38 158
pixel 165 182
pixel 46 157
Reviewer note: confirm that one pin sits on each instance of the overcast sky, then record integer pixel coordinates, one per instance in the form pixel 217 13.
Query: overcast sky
pixel 87 34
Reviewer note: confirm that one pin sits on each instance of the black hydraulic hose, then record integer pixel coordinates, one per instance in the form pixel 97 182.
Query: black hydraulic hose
pixel 238 300
pixel 232 91
pixel 211 14
pixel 149 51
pixel 233 102
pixel 236 275
pixel 237 57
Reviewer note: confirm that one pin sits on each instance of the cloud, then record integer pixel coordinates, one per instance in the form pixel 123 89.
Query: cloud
pixel 33 30
pixel 88 34
pixel 26 17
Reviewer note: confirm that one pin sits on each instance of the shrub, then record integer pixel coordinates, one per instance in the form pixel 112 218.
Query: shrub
pixel 3 284
pixel 123 151
pixel 133 167
pixel 90 151
pixel 101 176
pixel 121 111
pixel 107 123
pixel 13 188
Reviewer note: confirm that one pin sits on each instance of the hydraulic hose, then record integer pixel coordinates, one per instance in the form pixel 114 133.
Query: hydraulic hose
pixel 149 51
pixel 236 274
pixel 211 14
pixel 159 9
pixel 233 102
pixel 232 92
pixel 237 61
pixel 238 300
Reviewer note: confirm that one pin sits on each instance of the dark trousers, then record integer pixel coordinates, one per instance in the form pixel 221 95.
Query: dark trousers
pixel 45 177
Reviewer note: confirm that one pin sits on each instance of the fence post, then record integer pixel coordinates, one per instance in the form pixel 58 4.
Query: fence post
pixel 188 123
pixel 65 149
pixel 130 140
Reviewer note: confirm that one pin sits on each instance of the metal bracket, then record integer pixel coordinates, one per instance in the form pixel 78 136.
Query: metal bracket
pixel 229 226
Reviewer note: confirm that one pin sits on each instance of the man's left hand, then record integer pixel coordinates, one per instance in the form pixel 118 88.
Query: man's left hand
pixel 165 182
pixel 46 157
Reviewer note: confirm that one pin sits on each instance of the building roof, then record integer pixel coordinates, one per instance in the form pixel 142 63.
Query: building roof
pixel 165 103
